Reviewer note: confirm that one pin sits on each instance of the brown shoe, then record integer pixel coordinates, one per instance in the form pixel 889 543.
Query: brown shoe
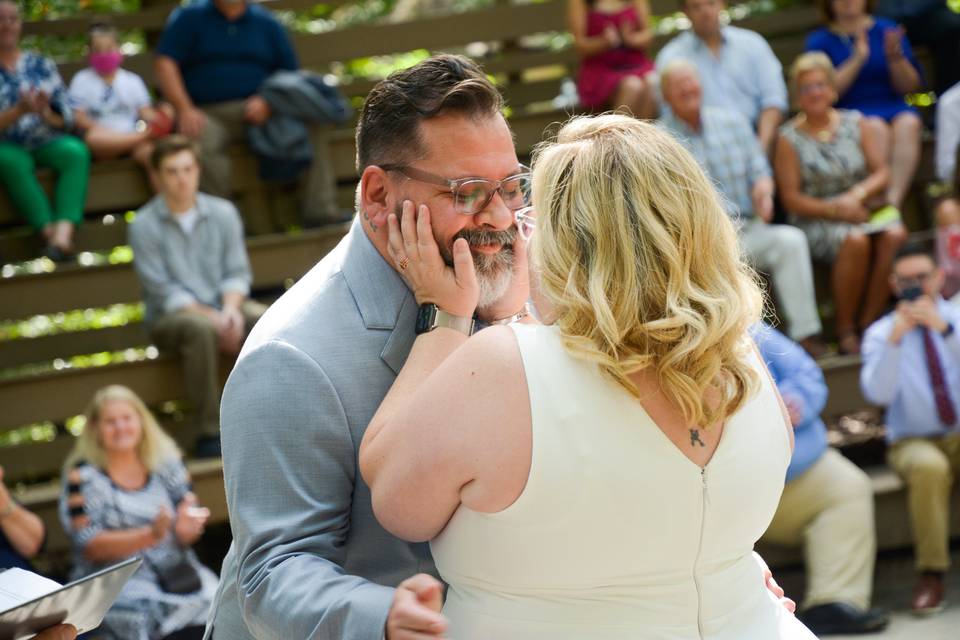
pixel 814 346
pixel 928 595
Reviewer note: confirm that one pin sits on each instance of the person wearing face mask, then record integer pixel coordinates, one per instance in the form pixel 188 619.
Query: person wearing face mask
pixel 112 105
pixel 911 365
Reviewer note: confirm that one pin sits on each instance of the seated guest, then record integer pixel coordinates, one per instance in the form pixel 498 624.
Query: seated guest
pixel 911 365
pixel 34 116
pixel 827 503
pixel 192 264
pixel 612 38
pixel 831 175
pixel 127 493
pixel 737 67
pixel 875 70
pixel 113 105
pixel 930 23
pixel 212 59
pixel 723 143
pixel 21 532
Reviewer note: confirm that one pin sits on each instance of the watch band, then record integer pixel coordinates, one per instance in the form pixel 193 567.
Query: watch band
pixel 430 316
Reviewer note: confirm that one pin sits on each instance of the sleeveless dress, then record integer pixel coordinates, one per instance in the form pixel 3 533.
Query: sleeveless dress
pixel 617 535
pixel 827 169
pixel 601 74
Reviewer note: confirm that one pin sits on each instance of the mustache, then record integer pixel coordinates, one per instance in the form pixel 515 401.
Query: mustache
pixel 506 238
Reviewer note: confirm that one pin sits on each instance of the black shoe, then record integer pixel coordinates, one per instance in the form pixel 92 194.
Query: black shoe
pixel 842 618
pixel 208 447
pixel 57 254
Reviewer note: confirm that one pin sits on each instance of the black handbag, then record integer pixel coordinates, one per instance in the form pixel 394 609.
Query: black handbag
pixel 181 577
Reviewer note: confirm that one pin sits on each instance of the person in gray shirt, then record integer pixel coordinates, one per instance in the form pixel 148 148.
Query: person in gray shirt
pixel 190 258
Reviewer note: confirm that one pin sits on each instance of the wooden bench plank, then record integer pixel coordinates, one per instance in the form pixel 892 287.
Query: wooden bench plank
pixel 273 259
pixel 14 353
pixel 843 378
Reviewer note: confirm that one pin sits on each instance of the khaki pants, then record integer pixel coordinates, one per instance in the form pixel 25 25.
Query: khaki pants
pixel 927 466
pixel 225 126
pixel 194 339
pixel 829 510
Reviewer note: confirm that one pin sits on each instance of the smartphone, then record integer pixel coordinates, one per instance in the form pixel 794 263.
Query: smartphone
pixel 911 293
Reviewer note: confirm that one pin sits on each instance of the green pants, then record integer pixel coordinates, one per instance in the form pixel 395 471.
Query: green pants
pixel 69 158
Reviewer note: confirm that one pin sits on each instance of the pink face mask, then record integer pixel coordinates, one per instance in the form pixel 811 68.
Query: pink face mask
pixel 106 62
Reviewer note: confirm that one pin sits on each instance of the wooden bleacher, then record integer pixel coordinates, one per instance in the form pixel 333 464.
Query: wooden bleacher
pixel 530 73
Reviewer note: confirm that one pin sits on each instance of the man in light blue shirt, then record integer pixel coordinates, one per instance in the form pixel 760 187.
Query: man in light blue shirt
pixel 192 264
pixel 911 365
pixel 827 503
pixel 722 142
pixel 738 68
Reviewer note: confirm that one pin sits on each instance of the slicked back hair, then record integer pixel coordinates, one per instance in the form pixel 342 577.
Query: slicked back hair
pixel 389 127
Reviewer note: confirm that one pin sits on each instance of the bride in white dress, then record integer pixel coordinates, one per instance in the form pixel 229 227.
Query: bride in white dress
pixel 603 475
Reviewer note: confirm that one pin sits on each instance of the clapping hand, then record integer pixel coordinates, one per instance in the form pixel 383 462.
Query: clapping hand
pixel 417 257
pixel 191 520
pixel 861 47
pixel 893 43
pixel 612 35
pixel 160 526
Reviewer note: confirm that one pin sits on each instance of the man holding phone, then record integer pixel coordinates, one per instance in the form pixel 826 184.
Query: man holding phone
pixel 911 365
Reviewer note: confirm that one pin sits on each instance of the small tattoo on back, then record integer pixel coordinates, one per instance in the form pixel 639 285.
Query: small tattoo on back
pixel 695 438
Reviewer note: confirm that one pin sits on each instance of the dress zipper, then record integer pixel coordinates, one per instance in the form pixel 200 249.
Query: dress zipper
pixel 696 564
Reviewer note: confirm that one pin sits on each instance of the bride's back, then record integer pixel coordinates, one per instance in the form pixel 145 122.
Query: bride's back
pixel 617 534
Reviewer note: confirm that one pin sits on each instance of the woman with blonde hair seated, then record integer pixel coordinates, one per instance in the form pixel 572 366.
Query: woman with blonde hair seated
pixel 832 179
pixel 127 493
pixel 605 474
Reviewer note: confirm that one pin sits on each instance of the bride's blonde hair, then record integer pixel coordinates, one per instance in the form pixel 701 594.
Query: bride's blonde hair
pixel 643 265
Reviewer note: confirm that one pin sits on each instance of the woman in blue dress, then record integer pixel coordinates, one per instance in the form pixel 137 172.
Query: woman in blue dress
pixel 876 69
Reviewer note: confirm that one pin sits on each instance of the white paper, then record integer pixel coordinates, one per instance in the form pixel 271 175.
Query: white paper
pixel 18 586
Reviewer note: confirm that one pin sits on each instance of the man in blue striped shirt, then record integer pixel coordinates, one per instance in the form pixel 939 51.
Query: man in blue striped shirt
pixel 723 143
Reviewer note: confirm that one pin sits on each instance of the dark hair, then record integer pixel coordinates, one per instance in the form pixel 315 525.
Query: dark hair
pixel 913 248
pixel 101 27
pixel 826 9
pixel 171 145
pixel 389 126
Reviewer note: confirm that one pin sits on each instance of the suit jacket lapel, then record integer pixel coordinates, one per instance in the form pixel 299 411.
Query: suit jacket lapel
pixel 382 297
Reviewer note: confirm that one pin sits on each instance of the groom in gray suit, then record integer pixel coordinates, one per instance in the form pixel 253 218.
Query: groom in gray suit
pixel 308 558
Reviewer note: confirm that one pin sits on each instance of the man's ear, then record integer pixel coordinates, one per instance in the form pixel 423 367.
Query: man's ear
pixel 376 197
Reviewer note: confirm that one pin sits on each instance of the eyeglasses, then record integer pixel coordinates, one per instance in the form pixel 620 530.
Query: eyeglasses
pixel 915 279
pixel 811 87
pixel 472 195
pixel 526 222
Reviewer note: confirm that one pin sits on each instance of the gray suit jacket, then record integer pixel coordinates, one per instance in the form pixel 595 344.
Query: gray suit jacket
pixel 308 558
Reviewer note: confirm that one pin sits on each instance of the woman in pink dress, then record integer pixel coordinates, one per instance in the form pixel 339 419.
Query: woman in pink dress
pixel 612 37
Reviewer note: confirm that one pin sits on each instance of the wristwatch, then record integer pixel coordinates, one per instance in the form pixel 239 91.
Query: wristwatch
pixel 430 316
pixel 946 333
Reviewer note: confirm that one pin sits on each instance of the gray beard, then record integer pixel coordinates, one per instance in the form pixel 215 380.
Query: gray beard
pixel 494 272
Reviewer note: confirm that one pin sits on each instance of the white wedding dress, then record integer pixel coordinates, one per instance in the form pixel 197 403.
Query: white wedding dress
pixel 617 534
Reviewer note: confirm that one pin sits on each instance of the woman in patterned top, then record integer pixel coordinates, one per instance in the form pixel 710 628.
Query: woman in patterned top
pixel 127 493
pixel 34 116
pixel 832 180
